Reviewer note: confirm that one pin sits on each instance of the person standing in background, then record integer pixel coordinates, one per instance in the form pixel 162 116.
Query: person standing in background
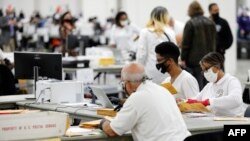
pixel 66 28
pixel 244 24
pixel 224 38
pixel 199 38
pixel 124 35
pixel 157 31
pixel 8 26
pixel 178 28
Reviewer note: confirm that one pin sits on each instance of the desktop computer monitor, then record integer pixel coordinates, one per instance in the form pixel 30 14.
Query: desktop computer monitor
pixel 72 42
pixel 49 65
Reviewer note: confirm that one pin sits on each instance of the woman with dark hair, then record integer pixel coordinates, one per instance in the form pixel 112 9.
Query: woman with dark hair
pixel 223 93
pixel 67 25
pixel 124 35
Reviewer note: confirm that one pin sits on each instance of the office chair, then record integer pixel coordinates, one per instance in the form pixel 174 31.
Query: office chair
pixel 7 81
pixel 247 112
pixel 211 136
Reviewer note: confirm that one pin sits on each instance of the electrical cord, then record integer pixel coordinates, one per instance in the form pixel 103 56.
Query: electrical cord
pixel 36 101
pixel 42 92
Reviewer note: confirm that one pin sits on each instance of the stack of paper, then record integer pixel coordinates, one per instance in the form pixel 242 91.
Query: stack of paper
pixel 90 124
pixel 194 107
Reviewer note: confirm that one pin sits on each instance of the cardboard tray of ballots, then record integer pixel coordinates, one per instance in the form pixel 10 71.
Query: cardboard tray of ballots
pixel 106 112
pixel 33 125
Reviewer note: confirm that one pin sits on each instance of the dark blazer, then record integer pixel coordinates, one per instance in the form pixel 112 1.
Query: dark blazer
pixel 199 39
pixel 224 35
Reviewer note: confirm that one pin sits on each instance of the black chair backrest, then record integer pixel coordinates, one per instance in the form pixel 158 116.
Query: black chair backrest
pixel 7 81
pixel 211 136
pixel 246 96
pixel 247 112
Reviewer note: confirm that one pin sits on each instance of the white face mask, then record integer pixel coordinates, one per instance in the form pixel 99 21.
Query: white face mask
pixel 210 75
pixel 124 23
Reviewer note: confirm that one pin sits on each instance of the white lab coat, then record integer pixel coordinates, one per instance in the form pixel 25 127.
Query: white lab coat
pixel 151 114
pixel 146 55
pixel 225 96
pixel 124 37
pixel 185 84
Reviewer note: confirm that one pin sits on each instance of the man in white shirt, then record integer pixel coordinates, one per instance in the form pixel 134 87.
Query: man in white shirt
pixel 167 54
pixel 150 112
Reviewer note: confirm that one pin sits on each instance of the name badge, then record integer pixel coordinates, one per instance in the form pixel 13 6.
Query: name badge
pixel 219 93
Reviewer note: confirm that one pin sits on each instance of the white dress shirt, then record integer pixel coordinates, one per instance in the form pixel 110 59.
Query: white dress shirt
pixel 151 114
pixel 146 55
pixel 225 96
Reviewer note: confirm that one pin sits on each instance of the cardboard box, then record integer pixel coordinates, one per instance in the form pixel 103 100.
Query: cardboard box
pixel 34 125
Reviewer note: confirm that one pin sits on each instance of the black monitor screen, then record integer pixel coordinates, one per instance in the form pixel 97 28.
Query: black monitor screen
pixel 73 42
pixel 49 65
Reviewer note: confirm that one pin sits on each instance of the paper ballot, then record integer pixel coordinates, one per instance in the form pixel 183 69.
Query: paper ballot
pixel 169 87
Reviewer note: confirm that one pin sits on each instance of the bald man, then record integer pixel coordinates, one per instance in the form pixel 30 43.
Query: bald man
pixel 150 111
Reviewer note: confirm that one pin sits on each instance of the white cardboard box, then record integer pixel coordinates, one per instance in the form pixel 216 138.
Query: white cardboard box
pixel 33 125
pixel 59 92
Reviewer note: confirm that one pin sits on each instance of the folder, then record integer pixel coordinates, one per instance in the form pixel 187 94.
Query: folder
pixel 169 87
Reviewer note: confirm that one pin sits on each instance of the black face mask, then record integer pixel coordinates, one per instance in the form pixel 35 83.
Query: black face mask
pixel 71 21
pixel 161 67
pixel 215 16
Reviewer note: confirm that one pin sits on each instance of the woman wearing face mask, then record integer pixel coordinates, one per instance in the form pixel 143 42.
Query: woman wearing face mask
pixel 67 26
pixel 156 31
pixel 124 35
pixel 223 93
